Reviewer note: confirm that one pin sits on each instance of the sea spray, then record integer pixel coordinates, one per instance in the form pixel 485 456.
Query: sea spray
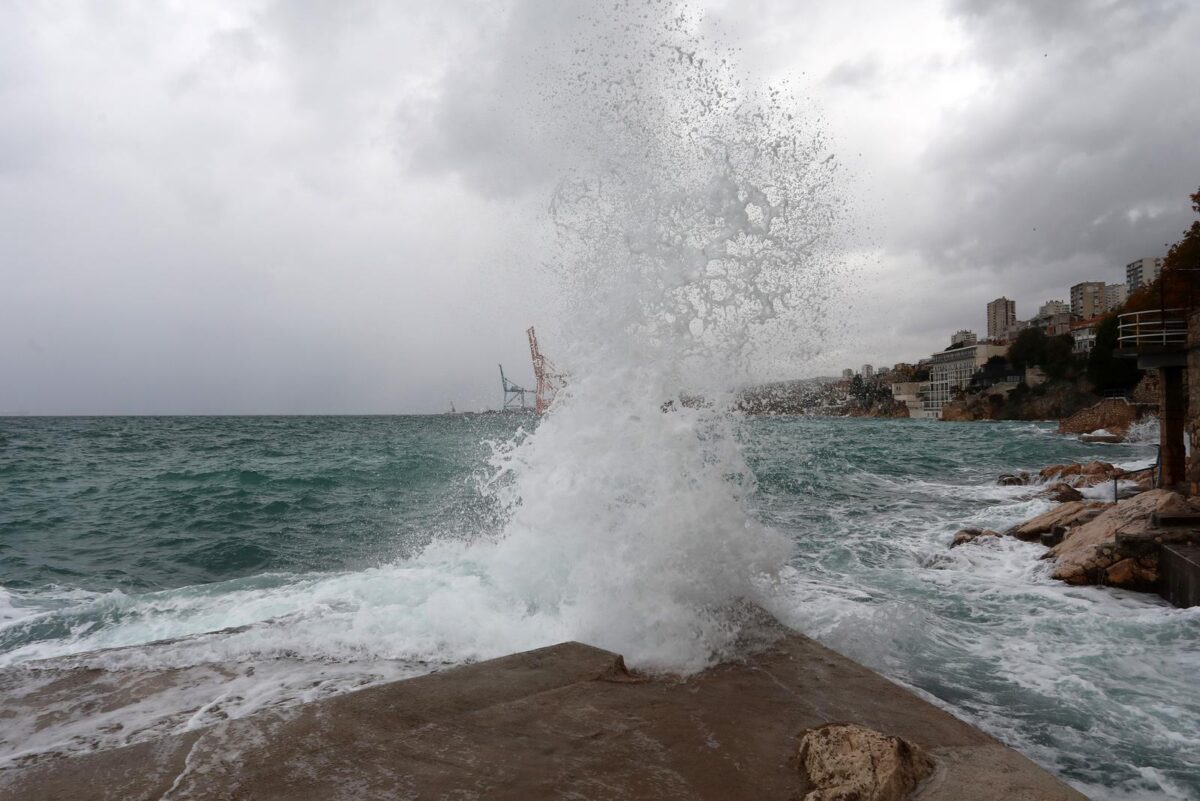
pixel 690 226
pixel 1144 430
pixel 690 238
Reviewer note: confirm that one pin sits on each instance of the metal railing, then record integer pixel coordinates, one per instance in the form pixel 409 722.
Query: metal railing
pixel 1162 328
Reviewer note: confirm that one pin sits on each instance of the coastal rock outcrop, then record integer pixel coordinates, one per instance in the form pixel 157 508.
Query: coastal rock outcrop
pixel 965 535
pixel 1081 474
pixel 1117 548
pixel 1144 479
pixel 1067 515
pixel 1013 479
pixel 847 762
pixel 974 407
pixel 1062 493
pixel 885 407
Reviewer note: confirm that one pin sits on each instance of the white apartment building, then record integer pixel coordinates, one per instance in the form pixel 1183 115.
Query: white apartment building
pixel 963 337
pixel 1085 337
pixel 952 369
pixel 1141 272
pixel 867 371
pixel 910 394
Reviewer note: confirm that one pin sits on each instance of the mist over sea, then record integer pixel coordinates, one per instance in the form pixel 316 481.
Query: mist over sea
pixel 286 559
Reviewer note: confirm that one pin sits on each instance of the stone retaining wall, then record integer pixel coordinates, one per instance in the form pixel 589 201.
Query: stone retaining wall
pixel 1113 414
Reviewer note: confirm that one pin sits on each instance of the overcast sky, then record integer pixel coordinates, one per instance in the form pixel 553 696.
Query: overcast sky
pixel 255 207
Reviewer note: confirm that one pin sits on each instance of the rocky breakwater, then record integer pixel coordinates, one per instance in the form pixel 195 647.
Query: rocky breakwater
pixel 1097 542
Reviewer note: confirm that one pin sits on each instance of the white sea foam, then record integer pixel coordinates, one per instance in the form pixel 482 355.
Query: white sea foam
pixel 1105 491
pixel 1144 430
pixel 985 624
pixel 10 611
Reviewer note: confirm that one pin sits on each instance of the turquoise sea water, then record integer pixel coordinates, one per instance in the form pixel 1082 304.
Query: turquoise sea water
pixel 312 533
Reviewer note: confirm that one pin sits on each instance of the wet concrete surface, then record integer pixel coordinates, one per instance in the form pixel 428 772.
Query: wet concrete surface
pixel 564 722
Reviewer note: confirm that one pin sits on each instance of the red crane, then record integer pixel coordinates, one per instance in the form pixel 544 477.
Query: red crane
pixel 549 380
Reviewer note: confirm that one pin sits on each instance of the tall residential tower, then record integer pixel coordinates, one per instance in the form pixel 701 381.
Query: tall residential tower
pixel 1001 313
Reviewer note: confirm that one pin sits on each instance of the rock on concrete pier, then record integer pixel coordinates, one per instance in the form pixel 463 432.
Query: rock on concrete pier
pixel 567 721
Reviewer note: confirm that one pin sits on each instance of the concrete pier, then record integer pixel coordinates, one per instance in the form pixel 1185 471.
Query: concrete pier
pixel 560 722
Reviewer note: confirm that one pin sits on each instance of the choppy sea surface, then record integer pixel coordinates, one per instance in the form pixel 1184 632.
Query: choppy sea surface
pixel 272 560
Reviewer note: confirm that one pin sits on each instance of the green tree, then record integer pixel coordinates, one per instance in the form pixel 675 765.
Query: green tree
pixel 996 368
pixel 1058 356
pixel 858 389
pixel 1029 349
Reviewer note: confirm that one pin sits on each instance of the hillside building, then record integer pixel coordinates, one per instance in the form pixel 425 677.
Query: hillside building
pixel 1115 296
pixel 951 370
pixel 1053 307
pixel 964 338
pixel 911 394
pixel 1013 330
pixel 1141 272
pixel 1001 313
pixel 1056 324
pixel 1088 299
pixel 1084 333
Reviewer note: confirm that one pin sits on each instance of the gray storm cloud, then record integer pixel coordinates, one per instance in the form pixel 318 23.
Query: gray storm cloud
pixel 1080 148
pixel 325 207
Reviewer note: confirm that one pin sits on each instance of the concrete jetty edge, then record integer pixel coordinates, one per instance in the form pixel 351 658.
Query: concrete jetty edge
pixel 566 721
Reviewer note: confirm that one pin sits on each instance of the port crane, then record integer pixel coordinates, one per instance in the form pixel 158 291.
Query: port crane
pixel 549 379
pixel 514 395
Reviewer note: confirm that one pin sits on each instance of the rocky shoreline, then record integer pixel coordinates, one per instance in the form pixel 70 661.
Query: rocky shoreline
pixel 1095 542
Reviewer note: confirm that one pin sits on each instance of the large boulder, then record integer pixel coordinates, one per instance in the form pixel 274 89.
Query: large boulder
pixel 965 535
pixel 1132 573
pixel 1062 493
pixel 1068 515
pixel 847 762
